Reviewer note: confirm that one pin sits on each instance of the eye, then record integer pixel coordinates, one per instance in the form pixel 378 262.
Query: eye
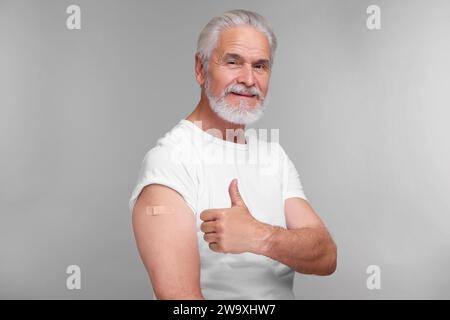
pixel 232 62
pixel 260 66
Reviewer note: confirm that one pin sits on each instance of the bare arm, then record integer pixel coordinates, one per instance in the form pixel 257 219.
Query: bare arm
pixel 305 246
pixel 167 243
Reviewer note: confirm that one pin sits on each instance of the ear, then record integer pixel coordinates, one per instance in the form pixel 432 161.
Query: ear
pixel 199 70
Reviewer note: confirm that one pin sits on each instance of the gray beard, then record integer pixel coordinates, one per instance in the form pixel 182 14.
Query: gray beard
pixel 241 114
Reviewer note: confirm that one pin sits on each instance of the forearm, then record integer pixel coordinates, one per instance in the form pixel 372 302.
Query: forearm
pixel 306 250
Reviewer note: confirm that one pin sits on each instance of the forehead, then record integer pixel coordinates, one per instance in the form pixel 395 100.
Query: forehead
pixel 245 41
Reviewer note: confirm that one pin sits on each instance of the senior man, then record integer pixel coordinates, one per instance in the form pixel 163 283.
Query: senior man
pixel 210 223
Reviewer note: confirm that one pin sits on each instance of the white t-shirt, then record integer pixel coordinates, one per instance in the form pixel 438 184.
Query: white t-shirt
pixel 200 167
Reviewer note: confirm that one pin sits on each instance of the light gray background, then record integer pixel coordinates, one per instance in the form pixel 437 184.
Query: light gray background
pixel 363 114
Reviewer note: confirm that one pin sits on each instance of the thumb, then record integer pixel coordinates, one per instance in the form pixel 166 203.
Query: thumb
pixel 235 196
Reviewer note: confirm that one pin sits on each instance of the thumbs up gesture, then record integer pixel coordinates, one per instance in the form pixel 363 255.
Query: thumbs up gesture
pixel 233 230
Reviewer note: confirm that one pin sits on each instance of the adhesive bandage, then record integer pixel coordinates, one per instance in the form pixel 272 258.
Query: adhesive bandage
pixel 159 210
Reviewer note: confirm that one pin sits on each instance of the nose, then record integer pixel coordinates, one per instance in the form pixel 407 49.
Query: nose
pixel 246 76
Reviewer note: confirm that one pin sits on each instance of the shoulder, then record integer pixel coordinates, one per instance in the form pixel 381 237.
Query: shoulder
pixel 273 149
pixel 170 150
pixel 280 150
pixel 165 164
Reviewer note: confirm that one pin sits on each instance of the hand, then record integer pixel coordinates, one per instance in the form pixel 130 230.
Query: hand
pixel 233 230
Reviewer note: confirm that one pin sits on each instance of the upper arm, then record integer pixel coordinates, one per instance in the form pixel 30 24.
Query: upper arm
pixel 297 210
pixel 299 214
pixel 167 243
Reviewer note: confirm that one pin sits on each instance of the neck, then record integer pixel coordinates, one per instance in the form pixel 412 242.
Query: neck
pixel 210 120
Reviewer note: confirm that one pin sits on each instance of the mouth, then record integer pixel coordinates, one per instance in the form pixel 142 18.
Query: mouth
pixel 243 95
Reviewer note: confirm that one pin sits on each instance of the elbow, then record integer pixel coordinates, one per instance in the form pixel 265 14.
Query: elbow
pixel 331 266
pixel 171 293
pixel 179 296
pixel 329 261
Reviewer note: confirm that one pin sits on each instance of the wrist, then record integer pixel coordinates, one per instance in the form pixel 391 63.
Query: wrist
pixel 264 237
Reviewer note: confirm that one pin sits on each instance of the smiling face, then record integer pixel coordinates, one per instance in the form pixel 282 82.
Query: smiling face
pixel 238 74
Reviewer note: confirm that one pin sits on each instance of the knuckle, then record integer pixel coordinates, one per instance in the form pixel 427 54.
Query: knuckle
pixel 219 226
pixel 204 213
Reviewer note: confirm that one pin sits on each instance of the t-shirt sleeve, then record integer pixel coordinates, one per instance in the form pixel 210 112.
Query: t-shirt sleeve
pixel 291 184
pixel 161 167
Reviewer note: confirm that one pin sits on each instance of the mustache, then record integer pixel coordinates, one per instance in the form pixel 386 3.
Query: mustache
pixel 242 89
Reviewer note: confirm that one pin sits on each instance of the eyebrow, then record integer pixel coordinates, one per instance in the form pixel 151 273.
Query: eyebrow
pixel 238 57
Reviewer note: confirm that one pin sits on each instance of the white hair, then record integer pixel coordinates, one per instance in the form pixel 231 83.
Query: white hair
pixel 208 38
